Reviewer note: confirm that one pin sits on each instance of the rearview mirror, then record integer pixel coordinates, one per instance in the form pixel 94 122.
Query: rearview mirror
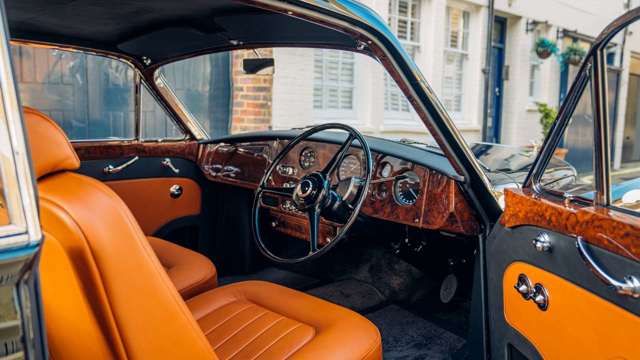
pixel 258 66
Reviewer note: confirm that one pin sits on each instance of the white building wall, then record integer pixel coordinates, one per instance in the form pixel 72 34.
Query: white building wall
pixel 293 89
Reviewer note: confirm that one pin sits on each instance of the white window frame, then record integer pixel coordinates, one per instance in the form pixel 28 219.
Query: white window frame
pixel 535 83
pixel 325 114
pixel 402 118
pixel 462 50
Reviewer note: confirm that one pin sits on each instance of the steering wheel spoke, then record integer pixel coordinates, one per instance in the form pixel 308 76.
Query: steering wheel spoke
pixel 278 190
pixel 337 157
pixel 313 214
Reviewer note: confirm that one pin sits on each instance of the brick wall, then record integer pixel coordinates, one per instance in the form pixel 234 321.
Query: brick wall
pixel 252 96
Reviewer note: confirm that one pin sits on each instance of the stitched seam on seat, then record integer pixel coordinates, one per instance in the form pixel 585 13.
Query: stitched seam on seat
pixel 227 319
pixel 257 336
pixel 240 329
pixel 276 340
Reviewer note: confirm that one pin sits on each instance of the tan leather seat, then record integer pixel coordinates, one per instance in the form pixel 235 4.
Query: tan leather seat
pixel 191 272
pixel 107 296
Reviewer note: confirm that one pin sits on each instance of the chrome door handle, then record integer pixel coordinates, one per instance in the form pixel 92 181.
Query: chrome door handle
pixel 110 169
pixel 629 286
pixel 167 163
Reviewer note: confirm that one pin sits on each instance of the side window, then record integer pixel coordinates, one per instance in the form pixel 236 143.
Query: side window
pixel 91 97
pixel 625 140
pixel 571 170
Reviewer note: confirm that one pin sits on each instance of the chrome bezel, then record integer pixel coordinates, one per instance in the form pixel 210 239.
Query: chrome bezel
pixel 396 183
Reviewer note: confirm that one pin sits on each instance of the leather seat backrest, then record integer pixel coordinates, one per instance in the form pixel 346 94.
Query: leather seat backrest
pixel 132 300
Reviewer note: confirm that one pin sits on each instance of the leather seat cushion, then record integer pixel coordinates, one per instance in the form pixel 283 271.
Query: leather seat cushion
pixel 261 320
pixel 192 273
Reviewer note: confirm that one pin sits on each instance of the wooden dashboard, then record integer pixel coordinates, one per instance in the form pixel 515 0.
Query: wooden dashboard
pixel 438 205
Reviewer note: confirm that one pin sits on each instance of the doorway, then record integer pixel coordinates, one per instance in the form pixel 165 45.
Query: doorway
pixel 494 128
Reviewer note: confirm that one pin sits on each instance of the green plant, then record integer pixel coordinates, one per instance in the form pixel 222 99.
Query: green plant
pixel 573 54
pixel 545 48
pixel 547 116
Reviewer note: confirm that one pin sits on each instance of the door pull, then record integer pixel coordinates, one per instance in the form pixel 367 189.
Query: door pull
pixel 629 286
pixel 110 169
pixel 168 164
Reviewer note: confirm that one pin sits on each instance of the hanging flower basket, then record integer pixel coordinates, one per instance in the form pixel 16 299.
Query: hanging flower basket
pixel 573 54
pixel 545 48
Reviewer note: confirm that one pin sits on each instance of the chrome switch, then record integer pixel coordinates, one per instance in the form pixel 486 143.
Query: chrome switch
pixel 524 287
pixel 540 297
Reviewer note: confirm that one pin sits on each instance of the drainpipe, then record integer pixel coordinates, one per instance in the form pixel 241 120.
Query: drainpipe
pixel 487 70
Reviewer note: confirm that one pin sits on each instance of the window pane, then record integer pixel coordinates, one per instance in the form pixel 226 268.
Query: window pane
pixel 155 123
pixel 571 171
pixel 203 85
pixel 625 134
pixel 91 97
pixel 334 72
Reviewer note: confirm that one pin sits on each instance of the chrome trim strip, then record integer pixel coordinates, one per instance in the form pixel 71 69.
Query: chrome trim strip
pixel 602 154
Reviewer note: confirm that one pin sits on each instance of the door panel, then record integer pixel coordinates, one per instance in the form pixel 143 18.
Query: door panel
pixel 605 331
pixel 151 203
pixel 515 322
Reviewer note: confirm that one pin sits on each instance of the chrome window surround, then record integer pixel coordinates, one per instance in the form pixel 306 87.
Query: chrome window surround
pixel 187 117
pixel 17 178
pixel 139 81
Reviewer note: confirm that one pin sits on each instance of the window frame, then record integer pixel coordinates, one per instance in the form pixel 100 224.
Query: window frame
pixel 139 80
pixel 400 118
pixel 457 116
pixel 347 116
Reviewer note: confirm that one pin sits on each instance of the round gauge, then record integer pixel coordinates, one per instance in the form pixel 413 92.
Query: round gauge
pixel 385 169
pixel 307 158
pixel 406 189
pixel 349 167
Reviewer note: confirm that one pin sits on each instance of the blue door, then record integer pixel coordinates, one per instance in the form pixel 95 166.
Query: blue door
pixel 497 80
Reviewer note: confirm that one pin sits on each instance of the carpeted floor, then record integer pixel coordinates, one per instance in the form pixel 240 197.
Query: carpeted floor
pixel 351 293
pixel 407 336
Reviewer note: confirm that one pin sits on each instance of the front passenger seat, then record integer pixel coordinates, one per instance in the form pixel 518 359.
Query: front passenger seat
pixel 106 295
pixel 191 273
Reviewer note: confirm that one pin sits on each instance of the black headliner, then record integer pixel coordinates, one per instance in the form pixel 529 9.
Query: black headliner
pixel 160 29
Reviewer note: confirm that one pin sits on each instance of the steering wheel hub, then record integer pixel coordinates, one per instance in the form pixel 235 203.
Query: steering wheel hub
pixel 310 191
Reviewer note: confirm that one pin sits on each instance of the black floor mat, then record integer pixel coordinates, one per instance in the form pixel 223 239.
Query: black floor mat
pixel 354 294
pixel 407 336
pixel 275 275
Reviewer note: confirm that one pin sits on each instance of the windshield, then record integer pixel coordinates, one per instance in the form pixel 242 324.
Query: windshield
pixel 283 88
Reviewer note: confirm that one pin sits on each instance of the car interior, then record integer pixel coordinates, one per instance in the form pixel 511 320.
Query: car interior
pixel 297 243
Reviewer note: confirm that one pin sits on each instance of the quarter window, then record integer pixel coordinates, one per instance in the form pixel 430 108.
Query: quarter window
pixel 571 170
pixel 455 58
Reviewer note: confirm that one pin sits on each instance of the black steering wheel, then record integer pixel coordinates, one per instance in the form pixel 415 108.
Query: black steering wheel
pixel 314 195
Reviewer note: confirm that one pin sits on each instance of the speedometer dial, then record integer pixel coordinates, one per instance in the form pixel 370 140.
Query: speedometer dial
pixel 349 167
pixel 406 189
